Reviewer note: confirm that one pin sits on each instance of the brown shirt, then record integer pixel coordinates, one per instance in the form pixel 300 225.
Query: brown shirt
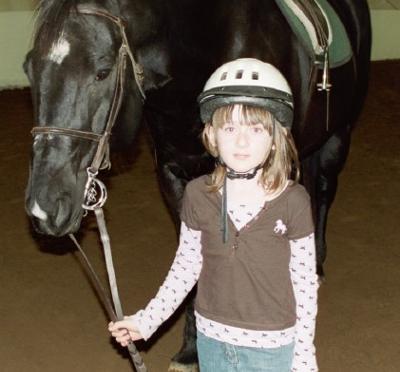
pixel 246 281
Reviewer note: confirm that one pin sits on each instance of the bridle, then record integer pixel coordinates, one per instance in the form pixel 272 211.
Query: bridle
pixel 95 193
pixel 101 159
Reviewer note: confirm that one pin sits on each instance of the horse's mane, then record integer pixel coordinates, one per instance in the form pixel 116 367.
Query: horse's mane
pixel 49 23
pixel 50 18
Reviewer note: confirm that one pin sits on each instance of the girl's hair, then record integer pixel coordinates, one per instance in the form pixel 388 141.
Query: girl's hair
pixel 282 162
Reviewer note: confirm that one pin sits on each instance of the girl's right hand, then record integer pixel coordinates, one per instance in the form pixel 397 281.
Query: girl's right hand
pixel 124 331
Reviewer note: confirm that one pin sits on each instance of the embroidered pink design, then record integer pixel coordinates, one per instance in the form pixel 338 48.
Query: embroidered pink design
pixel 280 227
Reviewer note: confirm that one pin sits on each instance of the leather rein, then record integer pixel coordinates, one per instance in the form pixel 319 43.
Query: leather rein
pixel 95 194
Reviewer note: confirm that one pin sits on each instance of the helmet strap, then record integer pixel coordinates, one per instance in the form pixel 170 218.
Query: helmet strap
pixel 231 174
pixel 224 214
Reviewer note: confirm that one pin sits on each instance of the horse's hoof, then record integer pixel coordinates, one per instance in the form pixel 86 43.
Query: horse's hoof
pixel 178 367
pixel 321 274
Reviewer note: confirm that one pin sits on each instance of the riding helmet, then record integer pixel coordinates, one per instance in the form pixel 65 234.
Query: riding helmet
pixel 251 82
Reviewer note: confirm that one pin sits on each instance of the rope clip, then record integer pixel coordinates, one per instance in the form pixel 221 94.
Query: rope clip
pixel 95 194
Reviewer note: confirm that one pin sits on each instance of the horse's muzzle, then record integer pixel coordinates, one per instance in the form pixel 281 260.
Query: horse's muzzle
pixel 57 219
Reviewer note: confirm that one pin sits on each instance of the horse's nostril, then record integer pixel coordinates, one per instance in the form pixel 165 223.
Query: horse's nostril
pixel 53 212
pixel 62 211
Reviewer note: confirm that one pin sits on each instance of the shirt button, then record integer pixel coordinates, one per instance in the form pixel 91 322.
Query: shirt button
pixel 237 233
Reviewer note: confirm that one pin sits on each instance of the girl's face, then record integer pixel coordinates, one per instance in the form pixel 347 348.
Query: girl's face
pixel 242 147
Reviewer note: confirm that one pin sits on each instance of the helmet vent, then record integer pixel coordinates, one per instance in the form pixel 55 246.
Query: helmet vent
pixel 254 75
pixel 239 74
pixel 223 76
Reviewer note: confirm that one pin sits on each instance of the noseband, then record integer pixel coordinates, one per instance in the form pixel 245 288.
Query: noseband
pixel 101 159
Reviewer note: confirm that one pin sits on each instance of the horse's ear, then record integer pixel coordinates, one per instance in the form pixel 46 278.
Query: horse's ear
pixel 154 61
pixel 154 80
pixel 26 63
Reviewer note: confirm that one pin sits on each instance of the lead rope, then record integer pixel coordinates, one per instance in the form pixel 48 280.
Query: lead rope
pixel 96 196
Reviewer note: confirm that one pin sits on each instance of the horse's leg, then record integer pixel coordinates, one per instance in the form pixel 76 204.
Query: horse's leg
pixel 172 187
pixel 186 359
pixel 320 177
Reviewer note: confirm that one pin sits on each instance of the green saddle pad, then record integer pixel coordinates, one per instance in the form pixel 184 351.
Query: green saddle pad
pixel 340 51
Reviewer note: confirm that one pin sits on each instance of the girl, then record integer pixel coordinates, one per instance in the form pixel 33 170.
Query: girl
pixel 246 234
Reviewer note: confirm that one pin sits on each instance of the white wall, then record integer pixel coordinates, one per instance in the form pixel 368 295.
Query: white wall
pixel 15 39
pixel 12 5
pixel 385 34
pixel 16 30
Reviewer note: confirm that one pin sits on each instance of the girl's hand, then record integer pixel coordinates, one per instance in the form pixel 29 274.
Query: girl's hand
pixel 124 331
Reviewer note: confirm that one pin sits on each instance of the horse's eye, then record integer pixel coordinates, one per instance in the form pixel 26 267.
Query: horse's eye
pixel 102 74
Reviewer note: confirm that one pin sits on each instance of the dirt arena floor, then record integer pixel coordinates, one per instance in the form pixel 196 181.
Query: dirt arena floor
pixel 50 320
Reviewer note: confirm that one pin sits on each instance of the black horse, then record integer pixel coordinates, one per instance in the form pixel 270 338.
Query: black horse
pixel 73 69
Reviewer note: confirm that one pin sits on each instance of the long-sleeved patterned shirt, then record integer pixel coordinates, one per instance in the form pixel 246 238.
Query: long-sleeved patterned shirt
pixel 185 272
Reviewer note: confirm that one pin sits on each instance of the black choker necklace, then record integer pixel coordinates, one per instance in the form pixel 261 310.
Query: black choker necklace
pixel 233 175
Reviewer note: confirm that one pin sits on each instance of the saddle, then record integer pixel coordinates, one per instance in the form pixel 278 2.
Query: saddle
pixel 319 29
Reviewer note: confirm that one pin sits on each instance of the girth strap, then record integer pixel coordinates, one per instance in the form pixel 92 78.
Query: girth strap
pixel 313 12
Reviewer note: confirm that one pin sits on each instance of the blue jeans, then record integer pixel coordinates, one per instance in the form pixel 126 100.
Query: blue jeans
pixel 217 356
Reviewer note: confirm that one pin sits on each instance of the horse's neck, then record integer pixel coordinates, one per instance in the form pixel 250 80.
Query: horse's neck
pixel 224 29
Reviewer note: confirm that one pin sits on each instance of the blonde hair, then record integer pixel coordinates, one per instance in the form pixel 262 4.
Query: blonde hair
pixel 282 162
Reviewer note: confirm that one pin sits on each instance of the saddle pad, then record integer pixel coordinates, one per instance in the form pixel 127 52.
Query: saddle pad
pixel 340 51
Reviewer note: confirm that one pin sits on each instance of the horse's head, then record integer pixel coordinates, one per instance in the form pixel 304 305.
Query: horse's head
pixel 74 69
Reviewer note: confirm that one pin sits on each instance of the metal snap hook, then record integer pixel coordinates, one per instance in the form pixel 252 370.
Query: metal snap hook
pixel 95 194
